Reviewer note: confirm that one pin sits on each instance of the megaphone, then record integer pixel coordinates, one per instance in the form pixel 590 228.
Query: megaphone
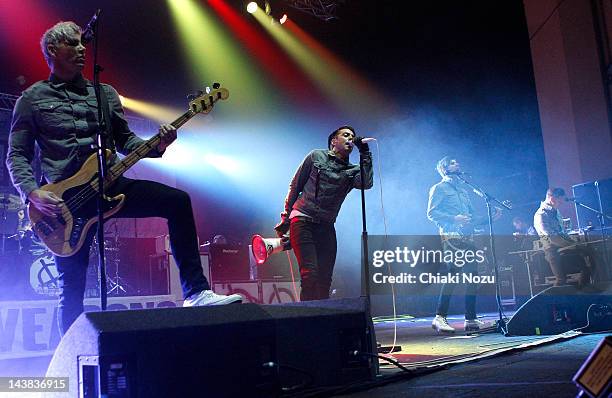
pixel 262 248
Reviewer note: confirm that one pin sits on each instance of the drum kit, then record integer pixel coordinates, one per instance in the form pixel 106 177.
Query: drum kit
pixel 19 244
pixel 15 230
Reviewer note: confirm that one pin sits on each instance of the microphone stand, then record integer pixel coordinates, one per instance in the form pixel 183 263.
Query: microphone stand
pixel 101 137
pixel 601 217
pixel 365 292
pixel 501 322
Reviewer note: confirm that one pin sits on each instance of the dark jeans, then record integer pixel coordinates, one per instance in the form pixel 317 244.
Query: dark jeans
pixel 142 199
pixel 448 288
pixel 314 245
pixel 583 257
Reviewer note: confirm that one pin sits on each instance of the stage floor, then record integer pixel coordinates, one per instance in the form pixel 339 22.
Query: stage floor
pixel 457 365
pixel 544 371
pixel 478 364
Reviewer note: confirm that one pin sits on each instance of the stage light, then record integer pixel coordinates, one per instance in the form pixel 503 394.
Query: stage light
pixel 344 86
pixel 252 7
pixel 195 20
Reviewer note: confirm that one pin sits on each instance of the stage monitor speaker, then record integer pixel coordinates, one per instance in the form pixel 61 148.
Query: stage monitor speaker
pixel 243 350
pixel 319 337
pixel 217 351
pixel 563 308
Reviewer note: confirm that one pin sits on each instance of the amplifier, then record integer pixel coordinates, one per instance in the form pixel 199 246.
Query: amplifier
pixel 229 262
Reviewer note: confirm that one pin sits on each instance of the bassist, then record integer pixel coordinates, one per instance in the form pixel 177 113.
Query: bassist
pixel 60 116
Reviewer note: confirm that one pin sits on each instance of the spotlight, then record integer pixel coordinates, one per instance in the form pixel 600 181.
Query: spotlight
pixel 252 7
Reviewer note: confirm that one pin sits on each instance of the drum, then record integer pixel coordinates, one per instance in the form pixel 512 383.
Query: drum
pixel 44 275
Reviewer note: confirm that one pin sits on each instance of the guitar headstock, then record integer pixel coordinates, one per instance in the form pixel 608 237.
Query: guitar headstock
pixel 203 100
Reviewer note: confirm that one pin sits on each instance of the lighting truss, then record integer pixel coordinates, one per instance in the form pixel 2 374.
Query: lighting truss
pixel 322 9
pixel 7 102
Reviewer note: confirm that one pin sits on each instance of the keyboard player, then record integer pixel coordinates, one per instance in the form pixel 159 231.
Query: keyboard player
pixel 556 242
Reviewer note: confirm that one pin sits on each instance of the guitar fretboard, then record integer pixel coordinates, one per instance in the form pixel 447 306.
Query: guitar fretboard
pixel 124 165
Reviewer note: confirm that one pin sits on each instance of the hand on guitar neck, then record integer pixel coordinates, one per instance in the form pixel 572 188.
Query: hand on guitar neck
pixel 46 202
pixel 167 135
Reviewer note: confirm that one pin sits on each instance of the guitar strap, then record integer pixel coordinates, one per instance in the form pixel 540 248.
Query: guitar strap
pixel 110 141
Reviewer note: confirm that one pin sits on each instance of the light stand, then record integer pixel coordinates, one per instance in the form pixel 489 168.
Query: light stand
pixel 501 323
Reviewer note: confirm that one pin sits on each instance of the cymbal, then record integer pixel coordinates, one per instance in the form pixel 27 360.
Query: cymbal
pixel 9 202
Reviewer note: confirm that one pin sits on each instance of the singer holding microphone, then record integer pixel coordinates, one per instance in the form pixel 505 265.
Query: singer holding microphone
pixel 316 193
pixel 60 116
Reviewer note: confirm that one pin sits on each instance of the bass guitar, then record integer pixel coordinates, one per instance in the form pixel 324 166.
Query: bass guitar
pixel 64 233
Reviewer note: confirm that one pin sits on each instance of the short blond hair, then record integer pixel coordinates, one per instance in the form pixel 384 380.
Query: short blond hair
pixel 57 34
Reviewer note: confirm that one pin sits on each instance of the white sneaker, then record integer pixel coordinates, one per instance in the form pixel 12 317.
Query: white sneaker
pixel 440 324
pixel 208 297
pixel 472 325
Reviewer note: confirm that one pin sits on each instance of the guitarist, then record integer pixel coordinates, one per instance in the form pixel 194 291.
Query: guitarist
pixel 451 210
pixel 59 115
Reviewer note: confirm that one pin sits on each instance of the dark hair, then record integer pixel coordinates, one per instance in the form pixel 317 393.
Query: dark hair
pixel 335 132
pixel 555 192
pixel 443 164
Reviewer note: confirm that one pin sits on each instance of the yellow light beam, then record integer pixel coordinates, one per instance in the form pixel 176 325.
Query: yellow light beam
pixel 161 114
pixel 214 55
pixel 345 88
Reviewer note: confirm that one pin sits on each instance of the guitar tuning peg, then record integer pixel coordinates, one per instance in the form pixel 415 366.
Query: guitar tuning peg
pixel 208 90
pixel 216 85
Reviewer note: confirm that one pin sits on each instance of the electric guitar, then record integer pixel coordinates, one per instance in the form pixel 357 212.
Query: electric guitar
pixel 64 234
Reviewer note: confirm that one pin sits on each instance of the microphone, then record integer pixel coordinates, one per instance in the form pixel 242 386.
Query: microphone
pixel 89 32
pixel 368 139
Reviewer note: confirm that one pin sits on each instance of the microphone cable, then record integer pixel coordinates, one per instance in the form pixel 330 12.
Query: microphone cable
pixel 297 296
pixel 384 217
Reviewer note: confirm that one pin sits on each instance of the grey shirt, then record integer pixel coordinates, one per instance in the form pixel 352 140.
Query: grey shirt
pixel 61 118
pixel 321 183
pixel 549 224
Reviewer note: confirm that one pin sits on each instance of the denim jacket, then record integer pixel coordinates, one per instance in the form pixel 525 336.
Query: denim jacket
pixel 62 119
pixel 321 184
pixel 446 200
